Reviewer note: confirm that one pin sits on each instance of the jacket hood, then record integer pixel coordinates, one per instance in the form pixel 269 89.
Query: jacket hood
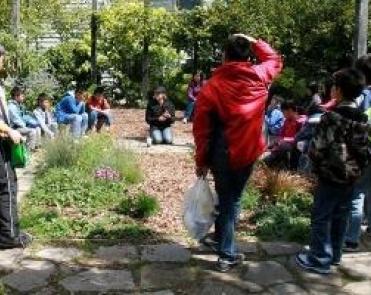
pixel 235 71
pixel 350 112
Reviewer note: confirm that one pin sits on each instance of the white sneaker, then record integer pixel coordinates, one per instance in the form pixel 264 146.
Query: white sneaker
pixel 149 141
pixel 185 121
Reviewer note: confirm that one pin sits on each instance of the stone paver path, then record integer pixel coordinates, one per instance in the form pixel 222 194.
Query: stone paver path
pixel 169 269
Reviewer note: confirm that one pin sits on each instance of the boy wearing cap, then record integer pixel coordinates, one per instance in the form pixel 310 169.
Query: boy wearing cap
pixel 228 132
pixel 160 115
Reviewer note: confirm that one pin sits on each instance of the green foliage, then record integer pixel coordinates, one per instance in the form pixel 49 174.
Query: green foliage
pixel 141 206
pixel 286 220
pixel 61 152
pixel 250 198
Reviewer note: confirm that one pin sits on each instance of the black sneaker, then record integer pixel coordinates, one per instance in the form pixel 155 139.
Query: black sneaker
pixel 210 243
pixel 22 241
pixel 226 264
pixel 350 247
pixel 303 261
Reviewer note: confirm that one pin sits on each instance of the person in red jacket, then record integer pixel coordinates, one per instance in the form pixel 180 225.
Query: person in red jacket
pixel 228 132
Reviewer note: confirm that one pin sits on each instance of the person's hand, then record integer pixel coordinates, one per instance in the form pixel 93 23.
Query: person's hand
pixel 247 37
pixel 202 171
pixel 167 115
pixel 15 136
pixel 162 118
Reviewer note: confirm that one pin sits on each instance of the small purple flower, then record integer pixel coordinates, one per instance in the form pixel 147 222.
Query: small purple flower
pixel 107 173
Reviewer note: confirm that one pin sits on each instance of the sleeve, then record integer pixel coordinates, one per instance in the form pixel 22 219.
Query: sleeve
pixel 75 108
pixel 150 119
pixel 41 120
pixel 15 117
pixel 270 61
pixel 202 127
pixel 190 93
pixel 171 110
pixel 322 140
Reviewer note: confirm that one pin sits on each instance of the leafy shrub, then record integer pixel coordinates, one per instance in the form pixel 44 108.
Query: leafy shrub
pixel 142 206
pixel 61 152
pixel 250 198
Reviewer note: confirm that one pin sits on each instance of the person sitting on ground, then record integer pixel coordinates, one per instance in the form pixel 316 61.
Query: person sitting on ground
pixel 71 111
pixel 10 234
pixel 283 152
pixel 274 119
pixel 21 120
pixel 98 110
pixel 362 190
pixel 339 153
pixel 193 90
pixel 160 115
pixel 228 132
pixel 45 117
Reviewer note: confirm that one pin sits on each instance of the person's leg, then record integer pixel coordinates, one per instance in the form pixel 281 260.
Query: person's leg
pixel 84 123
pixel 75 122
pixel 339 225
pixel 156 135
pixel 167 135
pixel 103 119
pixel 189 110
pixel 92 119
pixel 31 136
pixel 353 233
pixel 54 128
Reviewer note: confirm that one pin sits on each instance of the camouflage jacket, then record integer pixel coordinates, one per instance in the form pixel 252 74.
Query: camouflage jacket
pixel 339 149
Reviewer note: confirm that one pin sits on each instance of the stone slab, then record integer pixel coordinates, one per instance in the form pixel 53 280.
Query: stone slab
pixel 357 265
pixel 33 275
pixel 267 273
pixel 165 292
pixel 165 253
pixel 9 259
pixel 247 247
pixel 59 254
pixel 280 248
pixel 359 288
pixel 117 254
pixel 99 280
pixel 287 289
pixel 158 276
pixel 217 288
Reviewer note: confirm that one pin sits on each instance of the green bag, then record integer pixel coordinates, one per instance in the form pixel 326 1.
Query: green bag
pixel 19 155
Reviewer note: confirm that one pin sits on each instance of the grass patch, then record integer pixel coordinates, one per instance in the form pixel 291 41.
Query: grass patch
pixel 70 198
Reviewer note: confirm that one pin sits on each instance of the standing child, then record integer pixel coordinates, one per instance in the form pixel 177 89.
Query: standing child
pixel 339 155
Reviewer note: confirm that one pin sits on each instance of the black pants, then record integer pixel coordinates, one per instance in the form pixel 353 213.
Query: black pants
pixel 9 225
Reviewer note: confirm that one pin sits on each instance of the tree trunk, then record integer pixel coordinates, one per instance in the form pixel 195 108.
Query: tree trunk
pixel 15 28
pixel 94 32
pixel 145 57
pixel 361 28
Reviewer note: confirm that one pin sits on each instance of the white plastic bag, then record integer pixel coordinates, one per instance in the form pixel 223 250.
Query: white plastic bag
pixel 199 209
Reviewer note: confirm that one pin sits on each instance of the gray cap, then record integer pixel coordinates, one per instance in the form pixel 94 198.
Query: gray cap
pixel 2 50
pixel 160 90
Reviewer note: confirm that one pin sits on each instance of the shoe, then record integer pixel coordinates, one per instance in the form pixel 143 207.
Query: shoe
pixel 368 232
pixel 335 262
pixel 302 260
pixel 185 121
pixel 22 241
pixel 226 264
pixel 149 141
pixel 209 242
pixel 351 247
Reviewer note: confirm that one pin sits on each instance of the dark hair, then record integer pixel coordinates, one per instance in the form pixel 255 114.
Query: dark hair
pixel 2 50
pixel 160 90
pixel 313 87
pixel 363 64
pixel 351 82
pixel 327 89
pixel 288 105
pixel 16 91
pixel 99 90
pixel 80 90
pixel 42 97
pixel 237 49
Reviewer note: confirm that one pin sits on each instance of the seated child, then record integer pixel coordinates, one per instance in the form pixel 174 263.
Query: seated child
pixel 98 110
pixel 45 117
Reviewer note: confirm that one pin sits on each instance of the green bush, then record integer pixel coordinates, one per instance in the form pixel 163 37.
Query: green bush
pixel 141 206
pixel 61 152
pixel 250 198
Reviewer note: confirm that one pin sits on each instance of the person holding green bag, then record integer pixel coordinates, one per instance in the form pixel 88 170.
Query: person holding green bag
pixel 10 235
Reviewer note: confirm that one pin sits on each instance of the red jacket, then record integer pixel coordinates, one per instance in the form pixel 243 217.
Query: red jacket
pixel 237 93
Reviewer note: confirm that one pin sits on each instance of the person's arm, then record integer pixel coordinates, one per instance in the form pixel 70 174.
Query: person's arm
pixel 72 106
pixel 202 128
pixel 150 118
pixel 15 116
pixel 40 117
pixel 190 95
pixel 170 110
pixel 270 61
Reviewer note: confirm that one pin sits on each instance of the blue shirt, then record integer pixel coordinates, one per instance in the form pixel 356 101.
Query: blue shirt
pixel 69 106
pixel 274 120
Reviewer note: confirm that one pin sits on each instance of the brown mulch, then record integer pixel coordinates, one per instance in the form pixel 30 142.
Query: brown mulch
pixel 166 175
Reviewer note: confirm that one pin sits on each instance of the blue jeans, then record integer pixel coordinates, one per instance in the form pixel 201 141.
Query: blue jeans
pixel 189 110
pixel 362 190
pixel 330 213
pixel 160 135
pixel 94 117
pixel 229 186
pixel 79 123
